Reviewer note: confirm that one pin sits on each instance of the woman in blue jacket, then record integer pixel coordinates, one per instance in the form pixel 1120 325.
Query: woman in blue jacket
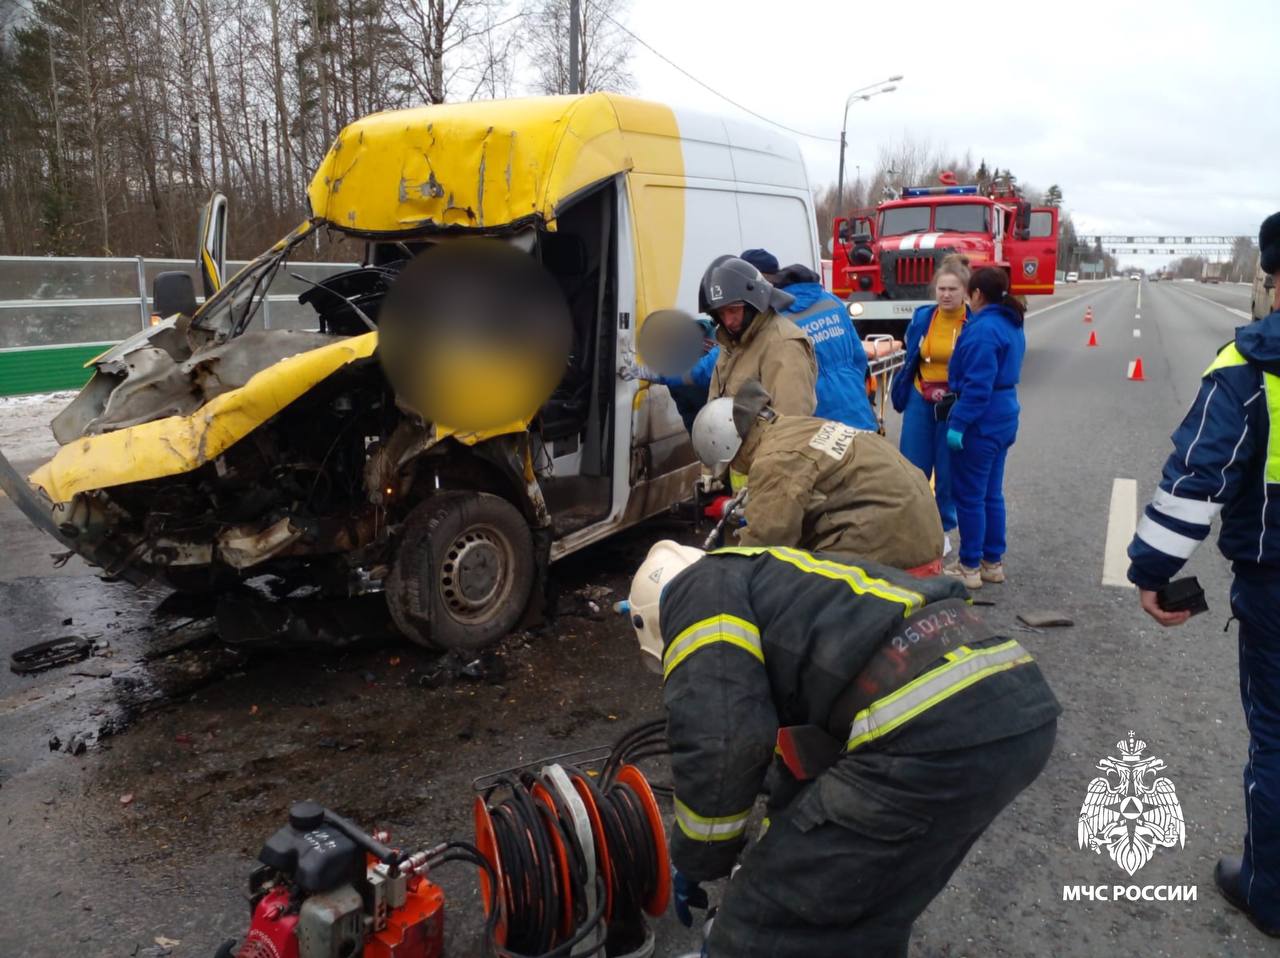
pixel 922 382
pixel 983 424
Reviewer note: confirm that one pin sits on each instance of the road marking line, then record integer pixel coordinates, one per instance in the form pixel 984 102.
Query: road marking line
pixel 1045 309
pixel 1137 334
pixel 1213 302
pixel 1139 296
pixel 1122 522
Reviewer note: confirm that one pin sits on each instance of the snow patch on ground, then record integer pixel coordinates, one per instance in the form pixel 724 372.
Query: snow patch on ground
pixel 25 435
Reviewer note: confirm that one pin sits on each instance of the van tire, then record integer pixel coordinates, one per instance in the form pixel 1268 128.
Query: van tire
pixel 463 571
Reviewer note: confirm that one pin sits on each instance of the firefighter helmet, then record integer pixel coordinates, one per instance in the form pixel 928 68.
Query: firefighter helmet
pixel 730 279
pixel 666 560
pixel 716 439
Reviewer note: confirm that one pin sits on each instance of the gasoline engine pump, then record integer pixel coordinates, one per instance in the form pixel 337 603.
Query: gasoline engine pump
pixel 570 861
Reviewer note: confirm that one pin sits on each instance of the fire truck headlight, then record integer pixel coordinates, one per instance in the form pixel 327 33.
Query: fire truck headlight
pixel 864 282
pixel 855 309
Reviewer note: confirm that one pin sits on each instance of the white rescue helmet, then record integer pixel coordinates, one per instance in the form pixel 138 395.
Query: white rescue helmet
pixel 715 436
pixel 666 560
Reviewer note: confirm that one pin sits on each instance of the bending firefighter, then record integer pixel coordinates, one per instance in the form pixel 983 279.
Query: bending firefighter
pixel 818 484
pixel 904 726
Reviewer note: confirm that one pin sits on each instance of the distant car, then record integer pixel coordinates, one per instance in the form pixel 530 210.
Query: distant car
pixel 1137 276
pixel 1073 277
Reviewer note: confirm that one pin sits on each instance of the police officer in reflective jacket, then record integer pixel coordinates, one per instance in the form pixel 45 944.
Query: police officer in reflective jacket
pixel 1226 459
pixel 902 724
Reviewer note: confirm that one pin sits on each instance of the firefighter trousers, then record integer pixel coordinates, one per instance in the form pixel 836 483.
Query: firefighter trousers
pixel 1255 601
pixel 848 866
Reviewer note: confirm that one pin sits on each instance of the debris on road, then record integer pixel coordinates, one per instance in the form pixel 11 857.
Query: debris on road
pixel 126 798
pixel 1045 620
pixel 50 654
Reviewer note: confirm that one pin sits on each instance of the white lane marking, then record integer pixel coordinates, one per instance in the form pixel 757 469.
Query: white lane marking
pixel 1045 309
pixel 1213 302
pixel 1139 296
pixel 1122 522
pixel 1137 315
pixel 1137 334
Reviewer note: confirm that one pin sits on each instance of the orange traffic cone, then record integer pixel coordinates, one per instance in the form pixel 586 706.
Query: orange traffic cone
pixel 1093 338
pixel 1135 371
pixel 1088 314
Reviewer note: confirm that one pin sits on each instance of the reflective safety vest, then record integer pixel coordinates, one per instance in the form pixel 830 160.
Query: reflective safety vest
pixel 1231 356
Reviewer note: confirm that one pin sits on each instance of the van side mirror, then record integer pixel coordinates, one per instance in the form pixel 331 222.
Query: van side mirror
pixel 173 292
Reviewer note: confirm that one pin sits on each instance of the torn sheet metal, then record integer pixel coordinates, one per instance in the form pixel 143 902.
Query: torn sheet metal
pixel 179 444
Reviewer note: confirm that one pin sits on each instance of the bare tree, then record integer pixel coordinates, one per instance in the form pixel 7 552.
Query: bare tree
pixel 604 46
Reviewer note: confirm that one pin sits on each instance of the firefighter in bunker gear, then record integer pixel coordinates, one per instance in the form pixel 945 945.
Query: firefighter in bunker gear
pixel 820 485
pixel 940 724
pixel 1226 460
pixel 756 342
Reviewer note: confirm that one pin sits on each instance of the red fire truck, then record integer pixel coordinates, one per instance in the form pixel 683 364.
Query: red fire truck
pixel 883 258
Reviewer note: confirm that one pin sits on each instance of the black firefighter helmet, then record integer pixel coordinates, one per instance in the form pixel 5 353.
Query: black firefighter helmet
pixel 730 279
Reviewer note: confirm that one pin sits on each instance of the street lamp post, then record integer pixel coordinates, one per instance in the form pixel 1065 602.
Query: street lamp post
pixel 858 94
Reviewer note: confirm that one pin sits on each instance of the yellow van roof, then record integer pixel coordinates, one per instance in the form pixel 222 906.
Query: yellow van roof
pixel 488 163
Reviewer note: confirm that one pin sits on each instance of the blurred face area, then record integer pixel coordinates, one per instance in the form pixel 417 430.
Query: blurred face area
pixel 474 335
pixel 949 291
pixel 731 318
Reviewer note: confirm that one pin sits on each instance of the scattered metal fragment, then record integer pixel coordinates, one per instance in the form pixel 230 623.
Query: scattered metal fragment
pixel 50 654
pixel 1043 619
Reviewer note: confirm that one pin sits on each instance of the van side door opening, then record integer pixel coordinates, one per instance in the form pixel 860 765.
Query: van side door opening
pixel 573 433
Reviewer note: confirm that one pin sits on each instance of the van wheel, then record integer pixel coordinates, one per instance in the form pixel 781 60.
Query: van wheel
pixel 462 572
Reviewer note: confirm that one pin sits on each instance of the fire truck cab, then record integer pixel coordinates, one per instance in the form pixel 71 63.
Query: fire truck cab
pixel 883 259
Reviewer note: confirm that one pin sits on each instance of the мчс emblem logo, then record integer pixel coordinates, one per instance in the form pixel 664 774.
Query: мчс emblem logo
pixel 1133 812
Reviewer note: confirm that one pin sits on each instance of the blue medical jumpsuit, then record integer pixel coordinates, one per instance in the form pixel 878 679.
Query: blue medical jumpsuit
pixel 841 388
pixel 923 439
pixel 983 373
pixel 1226 459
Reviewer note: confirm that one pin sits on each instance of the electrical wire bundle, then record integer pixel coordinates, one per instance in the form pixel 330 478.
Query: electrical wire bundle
pixel 572 858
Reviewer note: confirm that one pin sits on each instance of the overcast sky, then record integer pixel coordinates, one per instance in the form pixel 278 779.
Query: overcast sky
pixel 1153 118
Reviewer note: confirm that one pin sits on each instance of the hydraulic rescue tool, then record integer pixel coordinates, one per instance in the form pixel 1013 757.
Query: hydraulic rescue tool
pixel 571 858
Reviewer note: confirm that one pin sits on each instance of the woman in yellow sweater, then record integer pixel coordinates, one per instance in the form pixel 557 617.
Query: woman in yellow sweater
pixel 921 384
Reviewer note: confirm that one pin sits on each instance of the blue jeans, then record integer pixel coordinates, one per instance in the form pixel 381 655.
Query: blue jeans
pixel 1255 601
pixel 924 444
pixel 977 483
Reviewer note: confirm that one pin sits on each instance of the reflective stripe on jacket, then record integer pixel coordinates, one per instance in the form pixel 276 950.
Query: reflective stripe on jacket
pixel 1226 459
pixel 759 638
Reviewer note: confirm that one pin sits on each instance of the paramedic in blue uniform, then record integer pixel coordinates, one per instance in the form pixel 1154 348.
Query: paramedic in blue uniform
pixel 842 362
pixel 1226 459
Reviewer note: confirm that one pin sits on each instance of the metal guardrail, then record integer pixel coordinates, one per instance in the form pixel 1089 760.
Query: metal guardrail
pixel 57 312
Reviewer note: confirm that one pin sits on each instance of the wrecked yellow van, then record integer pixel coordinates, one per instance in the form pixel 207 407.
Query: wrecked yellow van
pixel 206 450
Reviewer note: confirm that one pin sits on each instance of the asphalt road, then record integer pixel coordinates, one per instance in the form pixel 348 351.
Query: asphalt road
pixel 384 735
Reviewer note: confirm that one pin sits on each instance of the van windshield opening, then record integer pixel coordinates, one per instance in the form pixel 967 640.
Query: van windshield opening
pixel 962 218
